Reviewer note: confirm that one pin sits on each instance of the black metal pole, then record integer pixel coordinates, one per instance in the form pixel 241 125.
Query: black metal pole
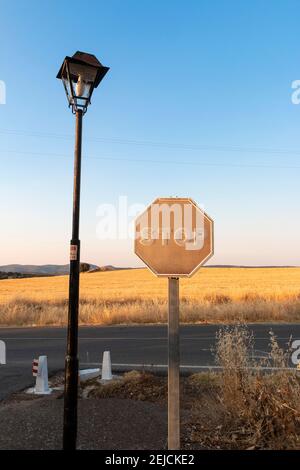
pixel 71 362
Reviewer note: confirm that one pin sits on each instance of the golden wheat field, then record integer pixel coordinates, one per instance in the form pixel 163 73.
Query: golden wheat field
pixel 137 296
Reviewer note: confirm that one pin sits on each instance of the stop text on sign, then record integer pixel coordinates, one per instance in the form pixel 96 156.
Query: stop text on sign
pixel 173 221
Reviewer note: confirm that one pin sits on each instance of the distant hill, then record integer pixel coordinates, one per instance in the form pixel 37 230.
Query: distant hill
pixel 45 269
pixel 33 269
pixel 30 270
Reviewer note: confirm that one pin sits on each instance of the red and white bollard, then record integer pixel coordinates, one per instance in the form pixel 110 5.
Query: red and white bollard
pixel 35 365
pixel 40 371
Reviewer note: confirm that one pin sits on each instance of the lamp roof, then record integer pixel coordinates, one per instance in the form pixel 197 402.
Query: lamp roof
pixel 83 58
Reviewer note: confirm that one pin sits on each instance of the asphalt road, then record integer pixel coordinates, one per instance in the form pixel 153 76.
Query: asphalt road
pixel 129 346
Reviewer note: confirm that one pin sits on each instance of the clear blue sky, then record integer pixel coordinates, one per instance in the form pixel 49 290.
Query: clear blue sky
pixel 206 85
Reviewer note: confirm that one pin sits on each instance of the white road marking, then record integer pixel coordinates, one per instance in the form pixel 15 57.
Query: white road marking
pixel 161 366
pixel 186 366
pixel 206 338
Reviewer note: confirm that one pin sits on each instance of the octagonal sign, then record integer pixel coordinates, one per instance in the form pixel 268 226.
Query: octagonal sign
pixel 174 237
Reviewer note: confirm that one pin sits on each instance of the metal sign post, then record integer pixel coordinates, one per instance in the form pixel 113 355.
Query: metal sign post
pixel 173 365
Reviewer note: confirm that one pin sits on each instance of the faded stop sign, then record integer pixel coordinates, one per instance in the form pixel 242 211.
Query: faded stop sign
pixel 174 237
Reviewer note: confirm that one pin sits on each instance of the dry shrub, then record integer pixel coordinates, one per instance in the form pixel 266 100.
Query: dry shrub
pixel 202 381
pixel 137 385
pixel 261 409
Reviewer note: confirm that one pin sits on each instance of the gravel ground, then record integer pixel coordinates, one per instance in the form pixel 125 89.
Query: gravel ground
pixel 109 423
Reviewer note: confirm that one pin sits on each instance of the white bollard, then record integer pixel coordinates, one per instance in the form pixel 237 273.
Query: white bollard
pixel 106 366
pixel 2 352
pixel 41 384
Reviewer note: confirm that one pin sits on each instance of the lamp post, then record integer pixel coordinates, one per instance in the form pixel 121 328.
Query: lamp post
pixel 80 74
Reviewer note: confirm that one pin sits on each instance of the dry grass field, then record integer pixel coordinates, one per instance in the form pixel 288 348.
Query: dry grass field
pixel 137 296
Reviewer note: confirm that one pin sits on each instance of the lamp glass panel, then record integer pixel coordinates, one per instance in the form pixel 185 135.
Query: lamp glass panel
pixel 87 73
pixel 67 87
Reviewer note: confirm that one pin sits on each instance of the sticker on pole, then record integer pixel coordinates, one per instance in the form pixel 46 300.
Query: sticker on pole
pixel 174 237
pixel 73 252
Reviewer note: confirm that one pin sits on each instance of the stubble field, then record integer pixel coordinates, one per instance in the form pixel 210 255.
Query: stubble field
pixel 213 295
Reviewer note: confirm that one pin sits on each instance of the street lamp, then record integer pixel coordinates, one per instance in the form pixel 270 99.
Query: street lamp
pixel 80 74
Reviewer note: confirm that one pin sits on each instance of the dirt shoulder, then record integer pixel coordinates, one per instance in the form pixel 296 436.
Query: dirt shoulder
pixel 239 408
pixel 111 423
pixel 128 413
